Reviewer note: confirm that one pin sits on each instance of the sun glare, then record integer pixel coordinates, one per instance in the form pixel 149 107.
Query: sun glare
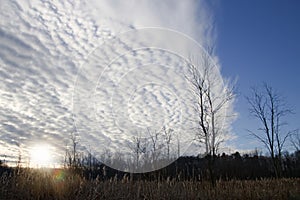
pixel 40 156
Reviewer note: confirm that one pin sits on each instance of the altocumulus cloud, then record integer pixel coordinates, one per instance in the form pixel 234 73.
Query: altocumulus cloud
pixel 44 48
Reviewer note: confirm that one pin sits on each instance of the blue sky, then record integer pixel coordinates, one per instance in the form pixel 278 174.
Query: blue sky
pixel 259 41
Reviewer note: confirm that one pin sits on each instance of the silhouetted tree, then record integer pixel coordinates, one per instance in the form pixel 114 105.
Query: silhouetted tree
pixel 156 145
pixel 73 156
pixel 295 140
pixel 212 97
pixel 168 135
pixel 138 147
pixel 269 108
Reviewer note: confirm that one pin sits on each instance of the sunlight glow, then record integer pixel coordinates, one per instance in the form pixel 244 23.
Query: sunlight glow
pixel 40 156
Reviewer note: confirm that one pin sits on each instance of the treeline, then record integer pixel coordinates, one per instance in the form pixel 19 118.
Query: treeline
pixel 226 167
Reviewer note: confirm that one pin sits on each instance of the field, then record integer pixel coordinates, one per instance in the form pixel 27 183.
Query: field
pixel 61 184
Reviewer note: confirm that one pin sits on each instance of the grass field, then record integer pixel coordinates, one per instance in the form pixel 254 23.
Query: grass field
pixel 59 184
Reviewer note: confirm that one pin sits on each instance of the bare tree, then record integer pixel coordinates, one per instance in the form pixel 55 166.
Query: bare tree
pixel 167 133
pixel 295 140
pixel 19 162
pixel 269 108
pixel 211 99
pixel 106 156
pixel 138 148
pixel 178 145
pixel 72 157
pixel 155 144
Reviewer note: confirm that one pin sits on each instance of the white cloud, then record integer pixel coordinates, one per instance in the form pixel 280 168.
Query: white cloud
pixel 43 44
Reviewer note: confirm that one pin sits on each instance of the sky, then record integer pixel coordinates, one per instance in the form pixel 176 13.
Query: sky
pixel 71 66
pixel 103 70
pixel 258 41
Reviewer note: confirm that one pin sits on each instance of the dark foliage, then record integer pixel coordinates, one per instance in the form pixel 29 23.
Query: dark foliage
pixel 227 167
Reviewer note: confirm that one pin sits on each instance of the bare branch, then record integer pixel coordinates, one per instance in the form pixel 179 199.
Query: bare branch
pixel 269 108
pixel 211 98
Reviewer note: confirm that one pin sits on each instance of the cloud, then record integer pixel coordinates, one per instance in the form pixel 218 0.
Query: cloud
pixel 47 54
pixel 194 18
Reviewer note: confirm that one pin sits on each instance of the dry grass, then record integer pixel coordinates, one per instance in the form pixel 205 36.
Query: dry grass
pixel 36 184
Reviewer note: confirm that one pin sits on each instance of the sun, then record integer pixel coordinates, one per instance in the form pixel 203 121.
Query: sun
pixel 40 156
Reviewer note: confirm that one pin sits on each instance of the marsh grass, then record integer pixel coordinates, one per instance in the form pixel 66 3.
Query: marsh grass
pixel 27 183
